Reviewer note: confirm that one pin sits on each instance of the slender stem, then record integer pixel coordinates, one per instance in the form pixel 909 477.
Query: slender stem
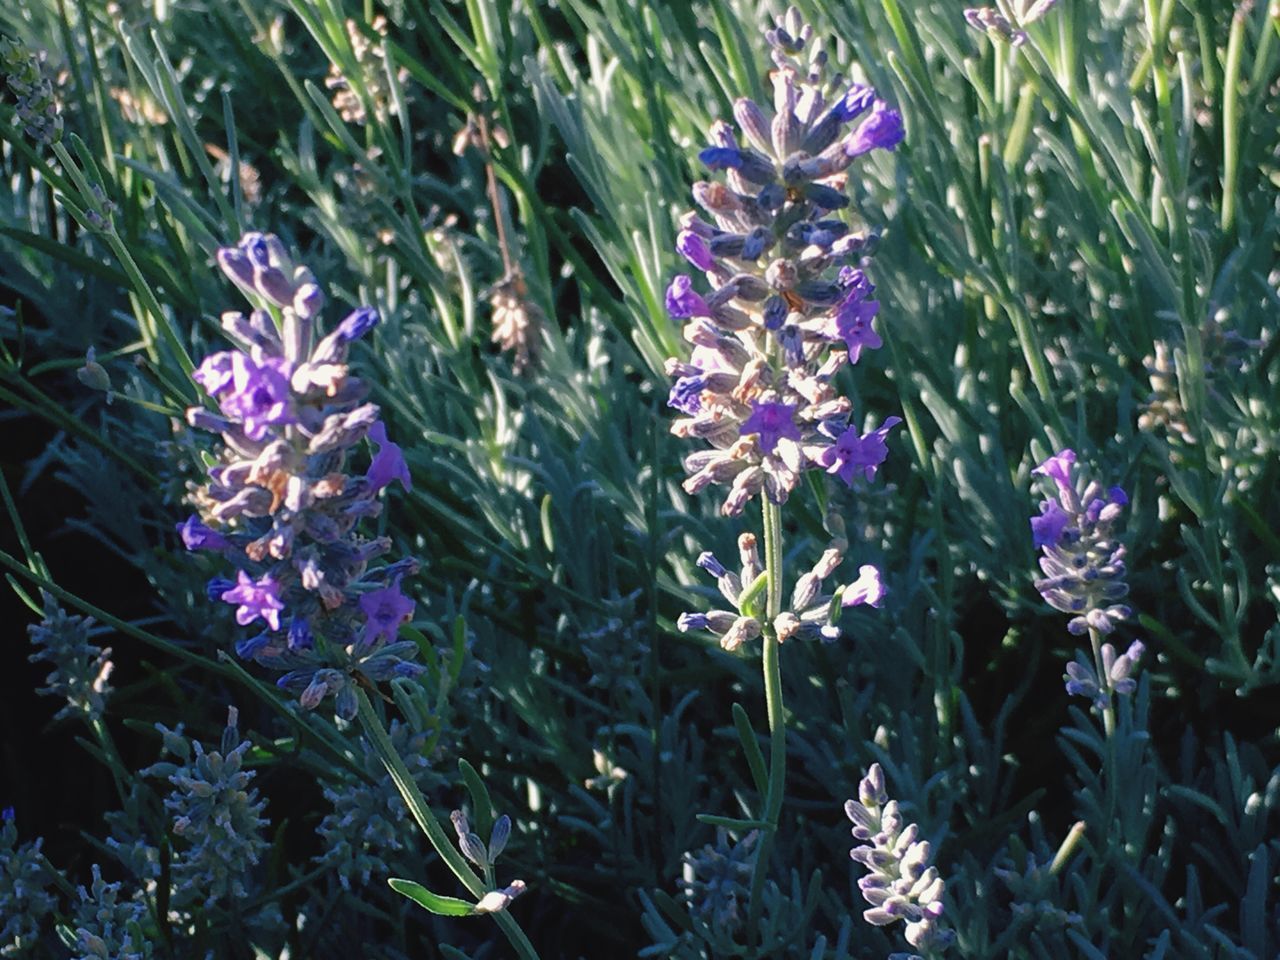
pixel 425 819
pixel 491 187
pixel 1104 679
pixel 773 704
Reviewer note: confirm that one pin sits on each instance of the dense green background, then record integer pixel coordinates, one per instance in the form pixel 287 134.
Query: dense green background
pixel 1055 212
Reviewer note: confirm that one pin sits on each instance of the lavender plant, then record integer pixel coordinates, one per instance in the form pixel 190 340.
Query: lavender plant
pixel 81 669
pixel 216 817
pixel 1085 185
pixel 279 504
pixel 789 306
pixel 25 881
pixel 901 883
pixel 285 512
pixel 1084 576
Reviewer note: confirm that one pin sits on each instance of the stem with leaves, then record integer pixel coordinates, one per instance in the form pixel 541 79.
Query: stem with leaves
pixel 773 702
pixel 427 821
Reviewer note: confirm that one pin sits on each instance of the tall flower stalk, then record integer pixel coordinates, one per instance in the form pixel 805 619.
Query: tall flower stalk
pixel 282 507
pixel 1084 575
pixel 787 307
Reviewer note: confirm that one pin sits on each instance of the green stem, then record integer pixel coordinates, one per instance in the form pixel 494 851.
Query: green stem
pixel 426 820
pixel 1231 120
pixel 1104 680
pixel 773 704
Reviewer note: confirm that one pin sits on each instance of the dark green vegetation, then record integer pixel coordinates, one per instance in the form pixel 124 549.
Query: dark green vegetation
pixel 1078 250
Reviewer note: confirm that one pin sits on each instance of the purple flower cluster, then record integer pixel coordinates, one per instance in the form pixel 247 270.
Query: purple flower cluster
pixel 1082 562
pixel 788 304
pixel 1083 680
pixel 279 504
pixel 812 613
pixel 787 307
pixel 900 883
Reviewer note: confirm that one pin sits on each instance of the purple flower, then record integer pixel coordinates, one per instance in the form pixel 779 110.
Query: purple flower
pixel 217 587
pixel 772 420
pixel 686 394
pixel 854 453
pixel 694 249
pixel 710 360
pixel 388 463
pixel 718 158
pixel 214 372
pixel 198 536
pixel 300 635
pixel 250 647
pixel 853 322
pixel 867 589
pixel 384 610
pixel 854 102
pixel 708 562
pixel 1058 468
pixel 260 394
pixel 683 301
pixel 357 323
pixel 881 131
pixel 1047 529
pixel 256 599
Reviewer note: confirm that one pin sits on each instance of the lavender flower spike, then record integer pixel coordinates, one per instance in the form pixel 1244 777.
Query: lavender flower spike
pixel 1082 562
pixel 1082 678
pixel 900 883
pixel 788 304
pixel 282 504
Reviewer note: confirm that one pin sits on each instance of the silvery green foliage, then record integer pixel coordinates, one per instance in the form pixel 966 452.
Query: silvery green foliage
pixel 708 921
pixel 28 80
pixel 901 883
pixel 216 817
pixel 129 838
pixel 80 668
pixel 717 879
pixel 369 827
pixel 25 900
pixel 109 927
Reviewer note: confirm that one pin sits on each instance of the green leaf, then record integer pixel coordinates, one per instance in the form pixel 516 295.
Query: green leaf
pixel 481 805
pixel 733 823
pixel 750 746
pixel 441 906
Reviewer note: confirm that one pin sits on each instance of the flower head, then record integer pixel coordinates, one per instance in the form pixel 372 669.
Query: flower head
pixel 81 669
pixel 900 883
pixel 384 611
pixel 772 421
pixel 856 453
pixel 388 463
pixel 1082 562
pixel 255 599
pixel 28 79
pixel 279 500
